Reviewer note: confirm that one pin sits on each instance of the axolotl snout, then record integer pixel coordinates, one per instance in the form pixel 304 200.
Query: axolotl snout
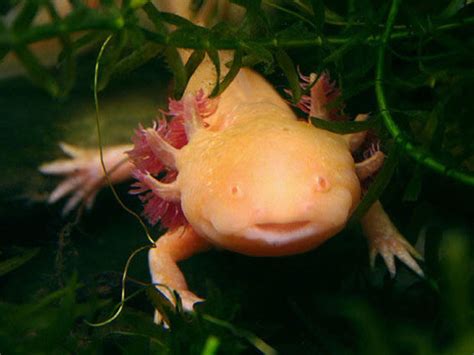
pixel 239 172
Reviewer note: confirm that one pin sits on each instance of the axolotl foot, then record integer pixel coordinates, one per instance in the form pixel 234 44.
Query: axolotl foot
pixel 384 239
pixel 175 245
pixel 83 173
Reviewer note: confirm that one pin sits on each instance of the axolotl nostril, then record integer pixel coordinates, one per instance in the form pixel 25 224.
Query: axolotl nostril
pixel 240 172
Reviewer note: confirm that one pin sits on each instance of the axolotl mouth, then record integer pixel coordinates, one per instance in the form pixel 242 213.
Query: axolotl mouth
pixel 280 233
pixel 276 239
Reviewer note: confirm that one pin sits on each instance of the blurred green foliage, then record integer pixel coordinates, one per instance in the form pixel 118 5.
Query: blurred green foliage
pixel 57 274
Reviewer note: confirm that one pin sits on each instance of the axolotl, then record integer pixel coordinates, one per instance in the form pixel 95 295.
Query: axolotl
pixel 238 172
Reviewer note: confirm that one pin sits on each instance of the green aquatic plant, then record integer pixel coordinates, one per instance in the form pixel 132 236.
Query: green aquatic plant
pixel 409 64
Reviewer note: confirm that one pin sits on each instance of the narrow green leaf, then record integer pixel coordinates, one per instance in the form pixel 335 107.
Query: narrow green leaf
pixel 290 12
pixel 38 74
pixel 214 56
pixel 89 39
pixel 254 23
pixel 211 346
pixel 452 8
pixel 286 64
pixel 161 303
pixel 175 63
pixel 344 127
pixel 333 17
pixel 194 60
pixel 176 20
pixel 231 74
pixel 378 185
pixel 155 16
pixel 17 261
pixel 257 54
pixel 68 63
pixel 198 35
pixel 135 4
pixel 296 30
pixel 250 337
pixel 26 16
pixel 137 58
pixel 335 55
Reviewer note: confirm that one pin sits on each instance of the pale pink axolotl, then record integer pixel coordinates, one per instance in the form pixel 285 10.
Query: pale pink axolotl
pixel 241 172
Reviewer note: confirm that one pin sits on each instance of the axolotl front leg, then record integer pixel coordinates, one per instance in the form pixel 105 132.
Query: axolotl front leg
pixel 84 175
pixel 382 235
pixel 175 245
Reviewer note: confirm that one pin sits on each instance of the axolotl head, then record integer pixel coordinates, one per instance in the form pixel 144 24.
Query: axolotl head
pixel 267 186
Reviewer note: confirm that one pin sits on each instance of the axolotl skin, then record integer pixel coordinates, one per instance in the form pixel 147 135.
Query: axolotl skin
pixel 242 173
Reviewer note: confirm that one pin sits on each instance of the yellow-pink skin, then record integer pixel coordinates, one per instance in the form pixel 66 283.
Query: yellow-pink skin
pixel 255 180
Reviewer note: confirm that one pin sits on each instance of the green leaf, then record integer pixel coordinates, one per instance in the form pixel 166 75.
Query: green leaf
pixel 286 64
pixel 344 127
pixel 155 17
pixel 198 35
pixel 378 185
pixel 337 54
pixel 249 336
pixel 143 326
pixel 176 20
pixel 89 39
pixel 17 261
pixel 257 54
pixel 194 60
pixel 452 8
pixel 137 58
pixel 175 63
pixel 231 74
pixel 38 74
pixel 215 59
pixel 296 30
pixel 333 17
pixel 161 303
pixel 211 346
pixel 135 4
pixel 26 16
pixel 254 23
pixel 233 71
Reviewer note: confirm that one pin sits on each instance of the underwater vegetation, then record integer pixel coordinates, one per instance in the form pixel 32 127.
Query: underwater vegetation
pixel 62 281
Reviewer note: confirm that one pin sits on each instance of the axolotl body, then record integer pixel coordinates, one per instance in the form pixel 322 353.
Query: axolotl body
pixel 241 173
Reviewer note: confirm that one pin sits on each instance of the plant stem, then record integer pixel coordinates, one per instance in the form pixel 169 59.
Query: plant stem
pixel 421 155
pixel 113 23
